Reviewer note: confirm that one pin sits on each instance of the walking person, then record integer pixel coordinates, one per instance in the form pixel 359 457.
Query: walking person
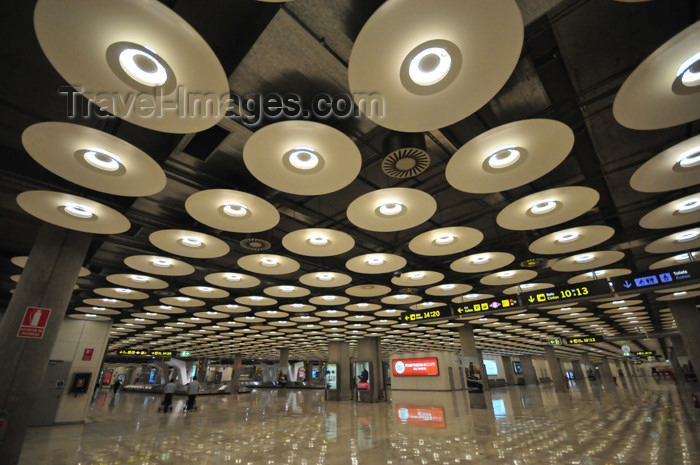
pixel 192 390
pixel 168 399
pixel 115 387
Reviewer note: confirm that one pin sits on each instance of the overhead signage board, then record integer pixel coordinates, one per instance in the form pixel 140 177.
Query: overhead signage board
pixel 132 352
pixel 486 305
pixel 582 340
pixel 161 353
pixel 566 293
pixel 437 313
pixel 154 353
pixel 646 353
pixel 662 277
pixel 415 366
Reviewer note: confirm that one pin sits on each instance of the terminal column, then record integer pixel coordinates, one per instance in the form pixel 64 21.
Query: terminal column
pixel 688 321
pixel 236 374
pixel 339 354
pixel 369 350
pixel 606 375
pixel 47 283
pixel 579 375
pixel 529 373
pixel 284 361
pixel 555 368
pixel 508 370
pixel 470 354
pixel 620 375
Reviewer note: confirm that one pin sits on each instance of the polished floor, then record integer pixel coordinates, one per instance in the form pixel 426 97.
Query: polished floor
pixel 645 424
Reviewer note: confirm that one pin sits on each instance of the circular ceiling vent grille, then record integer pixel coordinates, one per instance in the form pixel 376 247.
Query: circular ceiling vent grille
pixel 255 244
pixel 405 163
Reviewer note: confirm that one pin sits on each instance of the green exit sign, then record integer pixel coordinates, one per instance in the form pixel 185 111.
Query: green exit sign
pixel 555 342
pixel 185 353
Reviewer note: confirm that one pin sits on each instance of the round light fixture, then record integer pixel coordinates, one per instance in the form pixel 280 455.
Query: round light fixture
pixel 235 209
pixel 416 275
pixel 430 66
pixel 318 240
pixel 101 159
pixel 391 208
pixel 689 71
pixel 142 67
pixel 328 297
pixel 233 277
pixel 183 299
pixel 681 257
pixel 375 261
pixel 447 287
pixel 256 298
pixel 191 241
pixel 527 286
pixel 444 239
pixel 688 206
pixel 78 210
pixel 480 259
pixel 543 206
pixel 690 158
pixel 161 262
pixel 138 278
pixel 567 237
pixel 122 290
pixel 325 277
pixel 687 235
pixel 287 288
pixel 676 294
pixel 269 262
pixel 587 257
pixel 506 274
pixel 401 297
pixel 303 158
pixel 205 289
pixel 363 304
pixel 503 157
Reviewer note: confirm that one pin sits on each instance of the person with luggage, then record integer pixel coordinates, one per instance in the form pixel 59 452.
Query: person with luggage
pixel 169 390
pixel 192 390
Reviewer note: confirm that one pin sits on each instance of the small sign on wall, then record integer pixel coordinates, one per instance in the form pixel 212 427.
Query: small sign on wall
pixel 34 323
pixel 87 354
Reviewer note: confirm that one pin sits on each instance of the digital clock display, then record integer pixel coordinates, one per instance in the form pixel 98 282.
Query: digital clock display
pixel 581 340
pixel 564 293
pixel 430 314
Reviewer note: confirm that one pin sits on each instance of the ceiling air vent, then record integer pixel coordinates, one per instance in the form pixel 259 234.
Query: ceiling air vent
pixel 406 156
pixel 255 244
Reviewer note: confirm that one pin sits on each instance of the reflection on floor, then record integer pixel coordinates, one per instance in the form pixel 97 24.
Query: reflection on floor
pixel 644 424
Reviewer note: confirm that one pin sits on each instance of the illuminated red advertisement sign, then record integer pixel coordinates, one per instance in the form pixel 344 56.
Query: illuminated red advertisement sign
pixel 415 367
pixel 428 417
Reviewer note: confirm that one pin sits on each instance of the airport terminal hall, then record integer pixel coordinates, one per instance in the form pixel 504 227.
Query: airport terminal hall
pixel 350 232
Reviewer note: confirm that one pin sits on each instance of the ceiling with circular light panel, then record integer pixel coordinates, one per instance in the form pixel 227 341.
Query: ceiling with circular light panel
pixel 280 181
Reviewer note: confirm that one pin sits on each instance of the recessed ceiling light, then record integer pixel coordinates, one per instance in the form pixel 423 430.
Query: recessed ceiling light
pixel 682 257
pixel 90 315
pixel 480 259
pixel 142 67
pixel 122 290
pixel 328 297
pixel 375 261
pixel 471 296
pixel 318 240
pixel 161 262
pixel 325 277
pixel 504 157
pixel 205 289
pixel 447 287
pixel 444 239
pixel 363 304
pixel 690 158
pixel 417 275
pixel 688 71
pixel 527 286
pixel 232 277
pixel 257 298
pixel 183 299
pixel 391 208
pixel 689 205
pixel 297 305
pixel 303 158
pixel 191 241
pixel 269 262
pixel 235 209
pixel 401 297
pixel 101 159
pixel 166 307
pixel 543 206
pixel 584 258
pixel 287 288
pixel 430 66
pixel 567 237
pixel 506 274
pixel 78 210
pixel 151 314
pixel 680 293
pixel 687 235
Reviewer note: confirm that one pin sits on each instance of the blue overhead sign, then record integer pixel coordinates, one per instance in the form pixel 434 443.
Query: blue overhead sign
pixel 665 276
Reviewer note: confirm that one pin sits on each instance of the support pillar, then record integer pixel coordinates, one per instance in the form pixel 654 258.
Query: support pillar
pixel 628 373
pixel 620 375
pixel 339 354
pixel 508 370
pixel 529 373
pixel 687 319
pixel 369 350
pixel 47 282
pixel 471 356
pixel 284 363
pixel 606 375
pixel 579 374
pixel 555 369
pixel 236 375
